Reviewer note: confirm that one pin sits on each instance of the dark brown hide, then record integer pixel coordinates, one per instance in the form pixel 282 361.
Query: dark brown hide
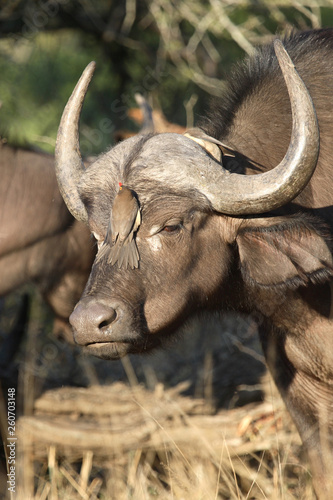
pixel 277 266
pixel 40 242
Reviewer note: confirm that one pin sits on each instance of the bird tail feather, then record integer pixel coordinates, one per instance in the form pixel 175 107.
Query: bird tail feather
pixel 126 254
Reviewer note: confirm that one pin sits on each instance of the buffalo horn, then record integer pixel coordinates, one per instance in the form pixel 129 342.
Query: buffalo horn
pixel 69 164
pixel 229 193
pixel 237 194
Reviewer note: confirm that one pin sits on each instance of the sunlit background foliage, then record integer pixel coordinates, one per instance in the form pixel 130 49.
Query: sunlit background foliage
pixel 176 53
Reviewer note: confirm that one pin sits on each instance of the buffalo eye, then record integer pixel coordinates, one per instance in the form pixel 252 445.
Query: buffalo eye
pixel 172 228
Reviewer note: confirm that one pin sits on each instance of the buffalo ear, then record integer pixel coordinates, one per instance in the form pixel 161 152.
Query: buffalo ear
pixel 285 253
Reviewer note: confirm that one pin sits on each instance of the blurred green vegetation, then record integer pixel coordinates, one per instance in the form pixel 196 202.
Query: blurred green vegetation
pixel 37 77
pixel 171 52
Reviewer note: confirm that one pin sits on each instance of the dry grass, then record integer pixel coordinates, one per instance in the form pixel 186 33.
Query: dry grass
pixel 118 442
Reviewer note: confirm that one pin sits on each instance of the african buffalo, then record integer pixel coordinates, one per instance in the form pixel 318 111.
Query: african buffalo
pixel 230 218
pixel 40 241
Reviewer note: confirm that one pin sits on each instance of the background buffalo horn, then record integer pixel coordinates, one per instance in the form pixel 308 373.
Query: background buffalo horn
pixel 69 164
pixel 237 194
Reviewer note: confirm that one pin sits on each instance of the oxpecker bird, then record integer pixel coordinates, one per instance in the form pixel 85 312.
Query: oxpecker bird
pixel 125 219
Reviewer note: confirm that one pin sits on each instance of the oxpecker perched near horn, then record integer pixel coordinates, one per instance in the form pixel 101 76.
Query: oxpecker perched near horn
pixel 125 219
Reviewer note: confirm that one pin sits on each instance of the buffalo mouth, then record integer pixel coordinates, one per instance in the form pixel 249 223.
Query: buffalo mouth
pixel 112 330
pixel 116 350
pixel 109 350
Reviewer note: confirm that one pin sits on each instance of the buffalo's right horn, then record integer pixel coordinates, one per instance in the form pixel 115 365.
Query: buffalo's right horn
pixel 68 161
pixel 236 194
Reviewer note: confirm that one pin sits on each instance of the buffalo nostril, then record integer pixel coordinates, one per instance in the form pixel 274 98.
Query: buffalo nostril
pixel 91 319
pixel 110 317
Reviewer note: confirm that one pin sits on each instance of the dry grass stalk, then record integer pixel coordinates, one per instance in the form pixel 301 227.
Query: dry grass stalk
pixel 130 443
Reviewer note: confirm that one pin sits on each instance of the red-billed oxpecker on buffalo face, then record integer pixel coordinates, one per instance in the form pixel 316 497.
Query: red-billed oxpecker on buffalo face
pixel 236 214
pixel 119 243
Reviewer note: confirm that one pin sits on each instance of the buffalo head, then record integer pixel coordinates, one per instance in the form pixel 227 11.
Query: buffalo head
pixel 192 214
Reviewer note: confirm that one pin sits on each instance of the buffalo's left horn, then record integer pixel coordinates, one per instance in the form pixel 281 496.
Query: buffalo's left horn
pixel 237 194
pixel 69 165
